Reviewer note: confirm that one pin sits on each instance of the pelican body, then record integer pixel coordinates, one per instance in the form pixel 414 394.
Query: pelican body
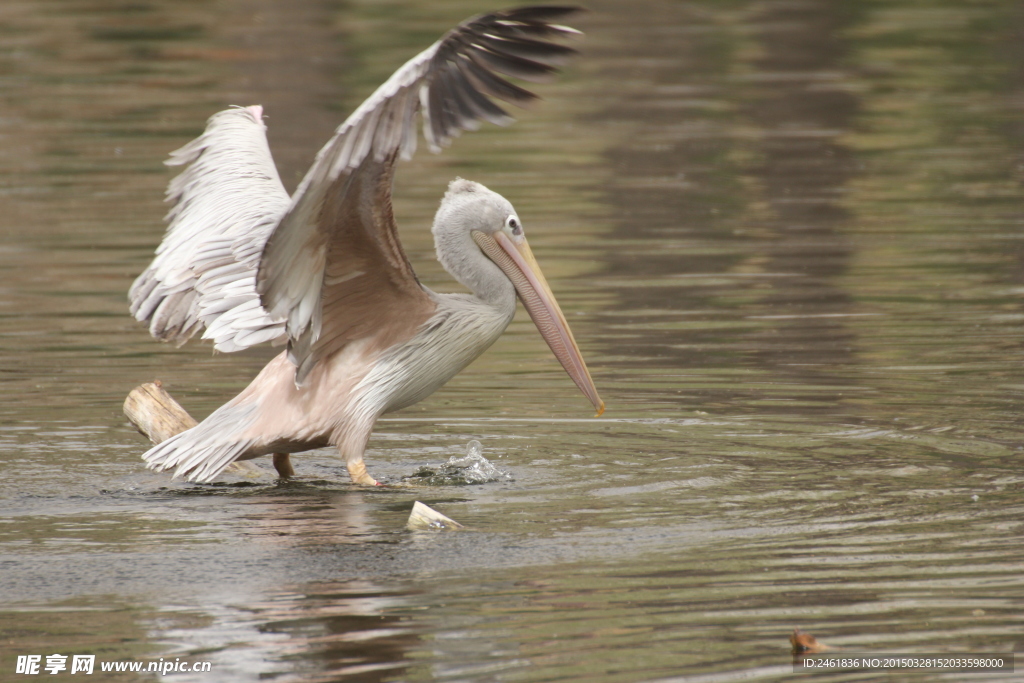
pixel 323 270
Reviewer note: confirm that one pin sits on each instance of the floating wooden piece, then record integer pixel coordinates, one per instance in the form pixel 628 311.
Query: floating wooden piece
pixel 805 643
pixel 425 517
pixel 156 414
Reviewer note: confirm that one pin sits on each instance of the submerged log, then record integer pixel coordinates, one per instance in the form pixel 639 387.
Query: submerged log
pixel 158 417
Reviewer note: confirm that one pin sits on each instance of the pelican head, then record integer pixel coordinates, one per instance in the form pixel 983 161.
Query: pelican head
pixel 481 241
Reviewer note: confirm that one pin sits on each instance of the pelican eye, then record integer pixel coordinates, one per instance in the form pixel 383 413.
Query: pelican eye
pixel 512 223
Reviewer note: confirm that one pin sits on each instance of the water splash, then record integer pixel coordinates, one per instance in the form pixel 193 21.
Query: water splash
pixel 463 470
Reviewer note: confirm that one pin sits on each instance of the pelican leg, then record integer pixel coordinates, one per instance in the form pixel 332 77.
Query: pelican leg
pixel 283 465
pixel 357 470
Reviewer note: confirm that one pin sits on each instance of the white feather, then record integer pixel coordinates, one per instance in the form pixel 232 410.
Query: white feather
pixel 226 203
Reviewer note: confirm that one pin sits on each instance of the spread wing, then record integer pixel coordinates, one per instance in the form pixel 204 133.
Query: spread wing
pixel 329 268
pixel 225 205
pixel 334 265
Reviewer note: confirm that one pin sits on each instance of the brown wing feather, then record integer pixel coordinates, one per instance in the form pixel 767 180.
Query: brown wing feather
pixel 369 287
pixel 333 267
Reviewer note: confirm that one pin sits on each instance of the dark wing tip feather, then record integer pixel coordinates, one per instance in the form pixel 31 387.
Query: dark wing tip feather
pixel 450 85
pixel 497 57
pixel 471 60
pixel 541 53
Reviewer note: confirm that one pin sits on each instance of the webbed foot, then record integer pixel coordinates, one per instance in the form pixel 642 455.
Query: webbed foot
pixel 357 470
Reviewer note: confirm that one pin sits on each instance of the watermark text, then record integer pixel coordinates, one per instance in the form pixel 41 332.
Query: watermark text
pixel 33 665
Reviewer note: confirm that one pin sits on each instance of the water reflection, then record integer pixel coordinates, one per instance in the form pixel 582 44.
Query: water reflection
pixel 797 100
pixel 788 236
pixel 739 156
pixel 113 629
pixel 320 632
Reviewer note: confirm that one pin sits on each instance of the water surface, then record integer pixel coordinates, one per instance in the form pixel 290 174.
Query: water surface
pixel 789 237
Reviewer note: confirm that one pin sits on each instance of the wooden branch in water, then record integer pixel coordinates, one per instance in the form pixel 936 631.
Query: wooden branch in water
pixel 158 417
pixel 427 518
pixel 154 413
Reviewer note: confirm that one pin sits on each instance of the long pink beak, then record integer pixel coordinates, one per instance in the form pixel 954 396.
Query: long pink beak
pixel 514 257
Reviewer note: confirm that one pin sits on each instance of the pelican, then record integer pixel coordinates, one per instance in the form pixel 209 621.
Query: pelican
pixel 323 270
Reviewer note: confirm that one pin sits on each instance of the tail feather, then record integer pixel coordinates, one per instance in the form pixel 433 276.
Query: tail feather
pixel 201 453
